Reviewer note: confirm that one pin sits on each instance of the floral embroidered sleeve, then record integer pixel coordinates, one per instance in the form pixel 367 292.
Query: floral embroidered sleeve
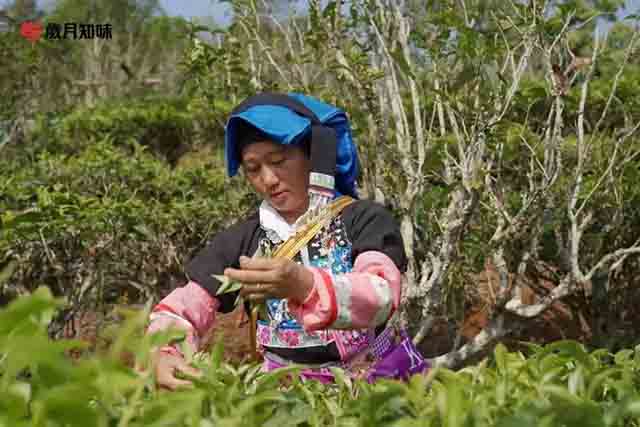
pixel 192 307
pixel 363 298
pixel 367 296
pixel 189 308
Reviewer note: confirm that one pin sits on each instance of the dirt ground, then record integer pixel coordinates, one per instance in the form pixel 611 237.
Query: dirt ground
pixel 233 329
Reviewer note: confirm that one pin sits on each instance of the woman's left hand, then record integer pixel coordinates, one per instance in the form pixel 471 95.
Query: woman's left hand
pixel 272 278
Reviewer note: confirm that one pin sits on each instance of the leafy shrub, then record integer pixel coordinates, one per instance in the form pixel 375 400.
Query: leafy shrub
pixel 561 384
pixel 105 225
pixel 167 127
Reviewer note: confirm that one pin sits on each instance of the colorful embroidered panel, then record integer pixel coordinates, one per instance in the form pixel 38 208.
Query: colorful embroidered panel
pixel 330 249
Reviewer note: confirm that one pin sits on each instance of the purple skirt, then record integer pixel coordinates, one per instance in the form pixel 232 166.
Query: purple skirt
pixel 384 358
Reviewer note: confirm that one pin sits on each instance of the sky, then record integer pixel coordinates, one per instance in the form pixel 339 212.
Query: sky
pixel 221 12
pixel 197 8
pixel 189 9
pixel 186 8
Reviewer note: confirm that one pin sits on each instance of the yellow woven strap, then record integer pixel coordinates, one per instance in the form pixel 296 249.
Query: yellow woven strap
pixel 292 246
pixel 295 243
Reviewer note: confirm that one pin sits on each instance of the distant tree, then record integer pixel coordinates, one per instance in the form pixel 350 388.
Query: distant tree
pixel 143 53
pixel 21 10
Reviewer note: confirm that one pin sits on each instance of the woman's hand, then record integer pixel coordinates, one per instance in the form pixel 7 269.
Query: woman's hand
pixel 272 278
pixel 166 365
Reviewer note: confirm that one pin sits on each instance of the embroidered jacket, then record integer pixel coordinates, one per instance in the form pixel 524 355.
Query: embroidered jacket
pixel 356 262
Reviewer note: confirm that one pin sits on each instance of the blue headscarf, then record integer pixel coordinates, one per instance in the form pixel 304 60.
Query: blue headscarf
pixel 281 124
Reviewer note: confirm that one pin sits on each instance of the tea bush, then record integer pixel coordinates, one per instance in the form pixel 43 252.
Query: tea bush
pixel 558 385
pixel 168 126
pixel 105 220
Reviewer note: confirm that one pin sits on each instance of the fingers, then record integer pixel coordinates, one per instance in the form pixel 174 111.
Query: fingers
pixel 260 288
pixel 258 293
pixel 174 384
pixel 253 276
pixel 259 263
pixel 168 366
pixel 189 370
pixel 264 278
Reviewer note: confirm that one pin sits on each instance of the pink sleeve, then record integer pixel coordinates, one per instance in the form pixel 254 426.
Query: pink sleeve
pixel 363 298
pixel 189 308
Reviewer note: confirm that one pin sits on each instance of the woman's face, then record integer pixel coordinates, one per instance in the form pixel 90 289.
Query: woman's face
pixel 280 174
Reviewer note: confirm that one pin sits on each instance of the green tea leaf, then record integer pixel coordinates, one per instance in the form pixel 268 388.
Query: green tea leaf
pixel 226 285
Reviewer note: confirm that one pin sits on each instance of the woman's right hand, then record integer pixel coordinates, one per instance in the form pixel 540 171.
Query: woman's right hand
pixel 166 365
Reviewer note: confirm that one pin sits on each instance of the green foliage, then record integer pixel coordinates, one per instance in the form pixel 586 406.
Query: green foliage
pixel 100 221
pixel 163 125
pixel 18 63
pixel 560 384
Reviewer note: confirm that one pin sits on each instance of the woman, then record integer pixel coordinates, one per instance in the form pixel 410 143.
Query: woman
pixel 330 302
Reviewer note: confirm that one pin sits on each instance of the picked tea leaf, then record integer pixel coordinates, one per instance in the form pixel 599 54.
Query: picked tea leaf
pixel 227 285
pixel 199 382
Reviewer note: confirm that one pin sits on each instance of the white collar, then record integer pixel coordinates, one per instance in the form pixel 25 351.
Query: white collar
pixel 272 220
